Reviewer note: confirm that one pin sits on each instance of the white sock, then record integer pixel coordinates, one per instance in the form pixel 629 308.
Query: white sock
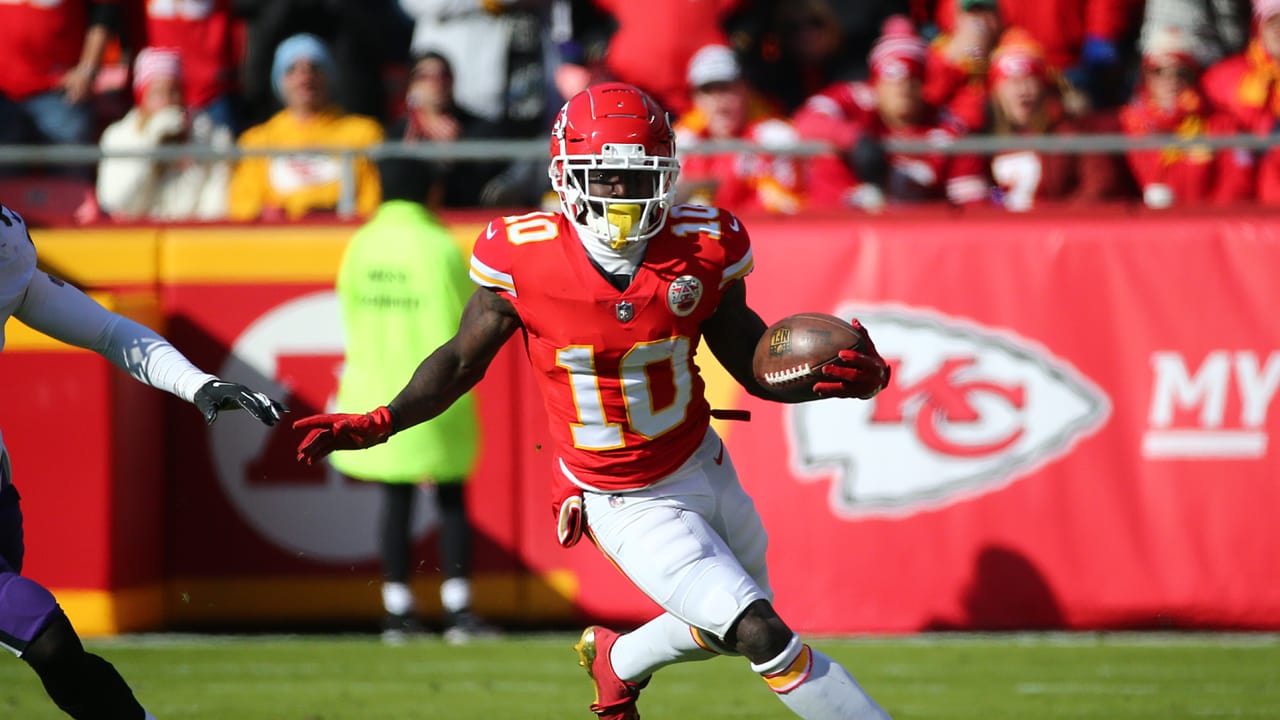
pixel 455 594
pixel 815 687
pixel 660 642
pixel 397 598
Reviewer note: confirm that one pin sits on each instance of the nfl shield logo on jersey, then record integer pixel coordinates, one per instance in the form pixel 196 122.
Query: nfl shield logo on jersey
pixel 625 311
pixel 684 294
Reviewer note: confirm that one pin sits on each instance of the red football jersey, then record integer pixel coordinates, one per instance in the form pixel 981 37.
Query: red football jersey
pixel 615 368
pixel 203 31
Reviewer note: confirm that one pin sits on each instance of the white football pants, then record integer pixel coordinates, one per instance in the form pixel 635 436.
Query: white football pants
pixel 693 542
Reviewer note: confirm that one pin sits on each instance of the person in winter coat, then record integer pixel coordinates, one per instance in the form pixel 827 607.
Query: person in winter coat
pixel 1170 102
pixel 132 188
pixel 1248 86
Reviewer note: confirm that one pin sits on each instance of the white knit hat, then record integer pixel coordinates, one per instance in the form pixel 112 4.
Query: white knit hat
pixel 1169 43
pixel 713 64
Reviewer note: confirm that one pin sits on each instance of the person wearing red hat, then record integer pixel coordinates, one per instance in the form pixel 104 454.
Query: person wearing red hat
pixel 857 117
pixel 1248 87
pixel 130 188
pixel 1025 101
pixel 1169 101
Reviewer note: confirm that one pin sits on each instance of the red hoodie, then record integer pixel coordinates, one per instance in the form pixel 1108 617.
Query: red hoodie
pixel 1197 176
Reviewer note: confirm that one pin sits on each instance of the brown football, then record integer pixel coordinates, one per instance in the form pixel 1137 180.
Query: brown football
pixel 791 352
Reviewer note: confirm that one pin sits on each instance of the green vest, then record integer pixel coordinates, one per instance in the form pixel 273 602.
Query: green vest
pixel 401 287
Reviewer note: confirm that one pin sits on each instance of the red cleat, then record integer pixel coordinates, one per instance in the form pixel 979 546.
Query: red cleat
pixel 615 697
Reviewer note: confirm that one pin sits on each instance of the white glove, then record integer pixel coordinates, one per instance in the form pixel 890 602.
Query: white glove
pixel 1157 196
pixel 867 197
pixel 165 122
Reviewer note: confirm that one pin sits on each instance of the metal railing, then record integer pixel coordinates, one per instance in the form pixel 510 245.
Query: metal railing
pixel 489 150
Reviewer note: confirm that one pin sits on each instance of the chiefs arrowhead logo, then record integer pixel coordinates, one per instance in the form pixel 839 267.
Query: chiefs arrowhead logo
pixel 970 409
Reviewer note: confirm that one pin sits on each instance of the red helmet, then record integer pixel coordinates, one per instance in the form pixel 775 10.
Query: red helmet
pixel 614 126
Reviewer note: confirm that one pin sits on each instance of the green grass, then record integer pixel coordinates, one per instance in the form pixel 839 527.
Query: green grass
pixel 534 677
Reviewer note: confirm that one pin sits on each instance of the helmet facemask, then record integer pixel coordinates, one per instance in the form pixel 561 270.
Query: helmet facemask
pixel 647 182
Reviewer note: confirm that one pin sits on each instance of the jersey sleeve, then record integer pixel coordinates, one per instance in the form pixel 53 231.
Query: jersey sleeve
pixel 738 261
pixel 491 260
pixel 64 313
pixel 17 262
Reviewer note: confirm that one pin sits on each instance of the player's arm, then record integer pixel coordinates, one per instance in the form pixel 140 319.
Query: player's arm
pixel 732 333
pixel 488 321
pixel 734 330
pixel 62 312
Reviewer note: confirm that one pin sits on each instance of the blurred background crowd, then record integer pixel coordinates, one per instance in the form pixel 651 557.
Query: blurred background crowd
pixel 134 75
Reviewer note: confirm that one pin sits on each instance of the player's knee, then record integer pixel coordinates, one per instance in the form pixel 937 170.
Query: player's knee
pixel 57 648
pixel 759 633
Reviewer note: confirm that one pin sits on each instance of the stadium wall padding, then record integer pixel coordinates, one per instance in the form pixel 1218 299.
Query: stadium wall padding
pixel 1079 434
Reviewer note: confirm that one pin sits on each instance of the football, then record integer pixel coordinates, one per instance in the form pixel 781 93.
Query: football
pixel 789 357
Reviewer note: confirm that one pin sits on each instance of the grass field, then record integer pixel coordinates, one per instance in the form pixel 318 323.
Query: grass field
pixel 534 677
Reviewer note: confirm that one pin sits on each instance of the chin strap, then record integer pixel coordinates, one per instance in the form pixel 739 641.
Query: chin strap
pixel 743 415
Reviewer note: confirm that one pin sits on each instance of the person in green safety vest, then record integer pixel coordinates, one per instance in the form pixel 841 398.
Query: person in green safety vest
pixel 401 287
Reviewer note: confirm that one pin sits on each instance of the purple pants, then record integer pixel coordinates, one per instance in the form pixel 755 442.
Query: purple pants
pixel 25 606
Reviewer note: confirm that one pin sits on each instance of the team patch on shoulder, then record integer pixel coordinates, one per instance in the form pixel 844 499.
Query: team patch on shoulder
pixel 684 294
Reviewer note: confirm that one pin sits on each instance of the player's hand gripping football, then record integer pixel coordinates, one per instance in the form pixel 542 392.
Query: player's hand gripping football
pixel 218 395
pixel 858 373
pixel 342 431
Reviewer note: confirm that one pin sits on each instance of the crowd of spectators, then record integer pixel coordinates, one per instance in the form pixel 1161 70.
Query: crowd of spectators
pixel 350 74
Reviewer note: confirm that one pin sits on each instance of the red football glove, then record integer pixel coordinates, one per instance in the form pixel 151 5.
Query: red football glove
pixel 856 374
pixel 341 431
pixel 571 514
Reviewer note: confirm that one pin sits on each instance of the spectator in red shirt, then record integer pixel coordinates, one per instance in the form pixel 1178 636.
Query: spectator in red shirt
pixel 1025 101
pixel 857 117
pixel 1080 38
pixel 725 108
pixel 955 73
pixel 1248 84
pixel 1248 87
pixel 656 39
pixel 1169 101
pixel 204 33
pixel 52 53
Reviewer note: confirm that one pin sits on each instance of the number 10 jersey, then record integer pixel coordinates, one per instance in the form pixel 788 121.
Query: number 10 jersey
pixel 624 399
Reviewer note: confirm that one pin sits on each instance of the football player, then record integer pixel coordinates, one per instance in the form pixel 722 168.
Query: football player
pixel 32 625
pixel 612 296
